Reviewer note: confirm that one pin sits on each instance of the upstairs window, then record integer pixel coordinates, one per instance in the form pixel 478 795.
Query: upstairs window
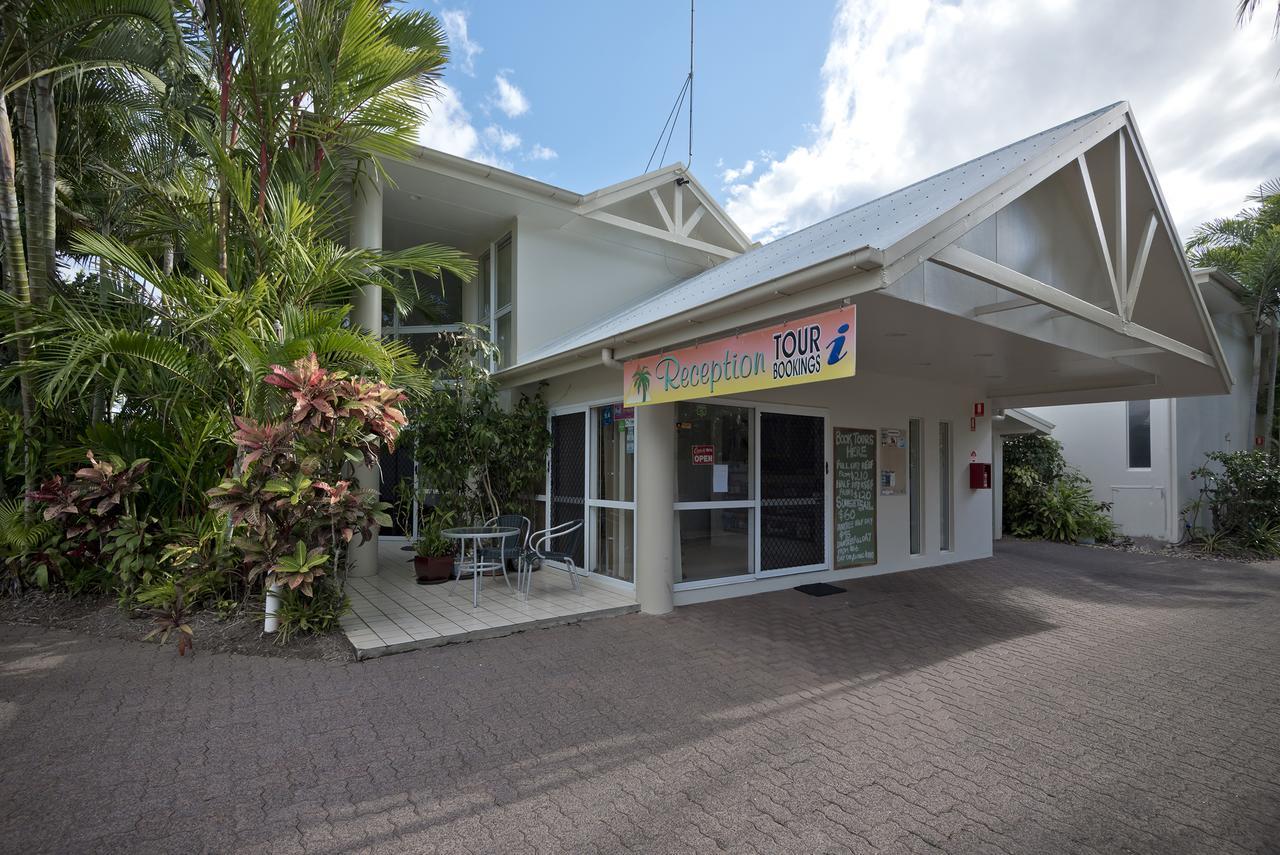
pixel 1139 424
pixel 495 296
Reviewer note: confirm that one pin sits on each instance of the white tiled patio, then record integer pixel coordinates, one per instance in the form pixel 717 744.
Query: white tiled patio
pixel 391 612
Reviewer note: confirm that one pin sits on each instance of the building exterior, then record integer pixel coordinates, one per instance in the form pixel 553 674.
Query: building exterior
pixel 1139 454
pixel 730 418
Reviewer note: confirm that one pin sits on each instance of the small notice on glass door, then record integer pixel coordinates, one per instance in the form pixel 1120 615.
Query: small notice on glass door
pixel 720 478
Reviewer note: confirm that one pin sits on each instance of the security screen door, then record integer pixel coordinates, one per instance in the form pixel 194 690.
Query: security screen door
pixel 568 474
pixel 793 493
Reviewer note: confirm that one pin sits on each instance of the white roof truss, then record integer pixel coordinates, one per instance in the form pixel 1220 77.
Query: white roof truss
pixel 1120 198
pixel 671 205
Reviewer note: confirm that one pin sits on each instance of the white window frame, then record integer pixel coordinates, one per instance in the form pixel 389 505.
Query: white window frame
pixel 496 312
pixel 1128 439
pixel 590 534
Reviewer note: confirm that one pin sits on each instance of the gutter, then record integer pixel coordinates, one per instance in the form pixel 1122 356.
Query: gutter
pixel 485 172
pixel 831 269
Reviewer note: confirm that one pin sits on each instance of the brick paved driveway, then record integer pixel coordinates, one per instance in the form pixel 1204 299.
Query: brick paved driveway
pixel 1050 700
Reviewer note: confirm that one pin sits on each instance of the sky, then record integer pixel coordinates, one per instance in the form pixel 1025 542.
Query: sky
pixel 810 108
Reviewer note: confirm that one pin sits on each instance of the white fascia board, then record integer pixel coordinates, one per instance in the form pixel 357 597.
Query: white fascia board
pixel 483 174
pixel 606 196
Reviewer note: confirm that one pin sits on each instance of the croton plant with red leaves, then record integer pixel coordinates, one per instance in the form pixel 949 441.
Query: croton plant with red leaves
pixel 294 493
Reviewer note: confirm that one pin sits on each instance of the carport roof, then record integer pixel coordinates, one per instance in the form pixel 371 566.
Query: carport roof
pixel 872 228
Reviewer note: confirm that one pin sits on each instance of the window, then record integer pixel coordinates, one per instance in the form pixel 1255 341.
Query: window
pixel 915 488
pixel 494 299
pixel 946 483
pixel 438 310
pixel 1139 421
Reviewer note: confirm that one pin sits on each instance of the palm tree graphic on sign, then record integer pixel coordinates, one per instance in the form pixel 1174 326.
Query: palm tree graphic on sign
pixel 640 382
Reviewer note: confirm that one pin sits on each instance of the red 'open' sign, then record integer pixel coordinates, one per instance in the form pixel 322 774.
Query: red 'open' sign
pixel 704 455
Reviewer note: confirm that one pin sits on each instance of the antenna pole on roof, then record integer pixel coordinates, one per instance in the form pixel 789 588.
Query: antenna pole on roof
pixel 689 161
pixel 673 118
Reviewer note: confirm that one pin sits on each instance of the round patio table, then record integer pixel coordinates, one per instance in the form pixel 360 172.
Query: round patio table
pixel 477 568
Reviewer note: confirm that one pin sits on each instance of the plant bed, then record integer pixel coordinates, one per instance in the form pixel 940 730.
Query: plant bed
pixel 101 617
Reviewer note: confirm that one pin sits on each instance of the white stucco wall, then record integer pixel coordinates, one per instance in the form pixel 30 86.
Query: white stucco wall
pixel 1095 439
pixel 567 278
pixel 1221 422
pixel 867 401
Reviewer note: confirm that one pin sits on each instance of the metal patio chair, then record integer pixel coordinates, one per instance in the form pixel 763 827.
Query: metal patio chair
pixel 512 547
pixel 558 543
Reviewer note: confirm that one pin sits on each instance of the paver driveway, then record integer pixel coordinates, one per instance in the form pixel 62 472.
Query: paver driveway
pixel 1052 699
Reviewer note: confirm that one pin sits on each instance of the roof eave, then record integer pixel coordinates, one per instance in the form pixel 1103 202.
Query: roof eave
pixel 856 261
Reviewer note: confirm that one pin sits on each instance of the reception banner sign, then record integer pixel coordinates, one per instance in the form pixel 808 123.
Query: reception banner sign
pixel 816 348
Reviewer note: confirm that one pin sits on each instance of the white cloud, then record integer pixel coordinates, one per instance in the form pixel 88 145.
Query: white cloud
pixel 462 49
pixel 507 97
pixel 911 88
pixel 731 175
pixel 542 152
pixel 501 138
pixel 450 129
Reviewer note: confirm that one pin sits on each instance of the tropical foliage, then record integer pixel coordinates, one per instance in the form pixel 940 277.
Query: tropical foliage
pixel 475 457
pixel 175 181
pixel 1045 498
pixel 1237 511
pixel 290 506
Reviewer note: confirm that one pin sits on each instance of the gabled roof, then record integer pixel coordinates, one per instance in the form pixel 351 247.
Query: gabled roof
pixel 668 203
pixel 862 235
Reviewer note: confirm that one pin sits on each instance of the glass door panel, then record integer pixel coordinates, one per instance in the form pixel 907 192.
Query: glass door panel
pixel 793 490
pixel 614 536
pixel 569 476
pixel 714 494
pixel 611 506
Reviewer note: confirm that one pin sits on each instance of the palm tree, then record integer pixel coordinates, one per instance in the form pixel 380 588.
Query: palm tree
pixel 42 44
pixel 1245 10
pixel 1248 247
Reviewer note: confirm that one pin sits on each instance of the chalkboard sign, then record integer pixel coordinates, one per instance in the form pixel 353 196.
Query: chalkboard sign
pixel 855 497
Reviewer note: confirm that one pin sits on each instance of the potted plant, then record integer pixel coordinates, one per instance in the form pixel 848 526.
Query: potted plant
pixel 432 551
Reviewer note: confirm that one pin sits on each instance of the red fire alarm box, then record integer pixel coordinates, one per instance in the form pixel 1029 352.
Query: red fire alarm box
pixel 980 476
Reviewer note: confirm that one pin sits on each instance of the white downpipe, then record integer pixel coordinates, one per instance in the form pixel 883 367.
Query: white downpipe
pixel 272 621
pixel 607 360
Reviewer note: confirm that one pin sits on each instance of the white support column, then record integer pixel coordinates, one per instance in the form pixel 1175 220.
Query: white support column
pixel 655 493
pixel 366 232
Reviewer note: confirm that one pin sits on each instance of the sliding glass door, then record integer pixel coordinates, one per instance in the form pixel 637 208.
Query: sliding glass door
pixel 751 492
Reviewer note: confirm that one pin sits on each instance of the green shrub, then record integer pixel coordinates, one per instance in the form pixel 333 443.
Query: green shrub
pixel 1044 498
pixel 303 615
pixel 1238 509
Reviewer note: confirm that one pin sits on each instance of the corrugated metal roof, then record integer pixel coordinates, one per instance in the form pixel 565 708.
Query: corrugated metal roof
pixel 877 224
